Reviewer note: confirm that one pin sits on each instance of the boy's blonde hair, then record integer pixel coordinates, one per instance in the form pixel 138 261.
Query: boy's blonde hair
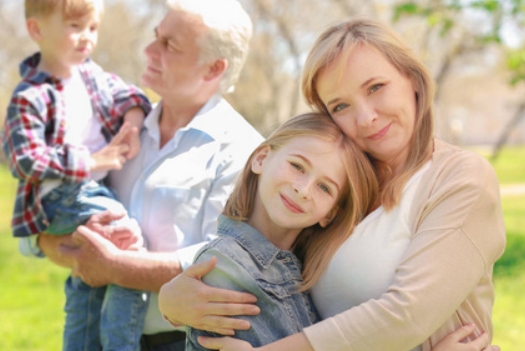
pixel 336 42
pixel 69 8
pixel 315 245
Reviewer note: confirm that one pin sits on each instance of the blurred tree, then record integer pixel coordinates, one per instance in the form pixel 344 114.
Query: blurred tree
pixel 467 27
pixel 443 32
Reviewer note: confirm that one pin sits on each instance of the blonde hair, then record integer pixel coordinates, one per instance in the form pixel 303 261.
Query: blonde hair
pixel 69 8
pixel 228 37
pixel 337 41
pixel 315 245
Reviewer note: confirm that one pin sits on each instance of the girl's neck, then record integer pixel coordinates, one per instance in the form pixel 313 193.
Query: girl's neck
pixel 281 237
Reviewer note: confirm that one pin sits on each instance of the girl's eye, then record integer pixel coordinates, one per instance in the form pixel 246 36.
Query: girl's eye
pixel 324 188
pixel 296 166
pixel 74 25
pixel 339 107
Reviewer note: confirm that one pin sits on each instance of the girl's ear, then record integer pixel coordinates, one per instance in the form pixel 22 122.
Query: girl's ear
pixel 33 29
pixel 258 159
pixel 329 217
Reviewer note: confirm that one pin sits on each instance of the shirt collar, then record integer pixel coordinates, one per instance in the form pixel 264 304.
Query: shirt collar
pixel 208 119
pixel 30 73
pixel 263 251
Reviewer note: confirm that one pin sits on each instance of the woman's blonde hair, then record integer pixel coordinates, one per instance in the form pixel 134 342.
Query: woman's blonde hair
pixel 69 8
pixel 337 41
pixel 315 245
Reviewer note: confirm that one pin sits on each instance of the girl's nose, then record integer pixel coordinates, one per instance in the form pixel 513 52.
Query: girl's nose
pixel 302 187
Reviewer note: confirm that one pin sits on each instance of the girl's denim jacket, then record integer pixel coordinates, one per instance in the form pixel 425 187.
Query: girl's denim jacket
pixel 248 262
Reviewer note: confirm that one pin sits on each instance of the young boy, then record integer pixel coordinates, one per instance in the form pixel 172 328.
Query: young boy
pixel 68 124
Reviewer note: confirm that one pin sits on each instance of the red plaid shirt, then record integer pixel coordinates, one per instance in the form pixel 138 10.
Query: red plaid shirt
pixel 33 139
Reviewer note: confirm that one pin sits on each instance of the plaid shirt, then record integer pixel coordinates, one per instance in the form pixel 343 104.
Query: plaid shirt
pixel 33 139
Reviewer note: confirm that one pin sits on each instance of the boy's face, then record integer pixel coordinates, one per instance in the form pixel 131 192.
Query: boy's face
pixel 68 42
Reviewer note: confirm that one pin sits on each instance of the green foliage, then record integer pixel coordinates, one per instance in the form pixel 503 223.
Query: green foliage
pixel 444 15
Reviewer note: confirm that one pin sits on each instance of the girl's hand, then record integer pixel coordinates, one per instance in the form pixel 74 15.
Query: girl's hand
pixel 187 300
pixel 224 344
pixel 452 342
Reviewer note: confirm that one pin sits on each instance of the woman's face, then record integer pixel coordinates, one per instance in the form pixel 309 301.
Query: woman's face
pixel 372 102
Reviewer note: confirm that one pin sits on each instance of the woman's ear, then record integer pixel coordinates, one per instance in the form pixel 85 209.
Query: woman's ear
pixel 258 158
pixel 33 29
pixel 329 217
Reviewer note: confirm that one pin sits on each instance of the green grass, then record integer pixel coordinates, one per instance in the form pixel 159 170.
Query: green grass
pixel 31 300
pixel 510 165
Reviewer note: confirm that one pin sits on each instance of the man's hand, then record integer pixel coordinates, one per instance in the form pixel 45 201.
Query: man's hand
pixel 51 247
pixel 93 258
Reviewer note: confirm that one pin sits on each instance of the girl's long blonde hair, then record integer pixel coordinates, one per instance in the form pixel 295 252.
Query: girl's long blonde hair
pixel 315 245
pixel 337 41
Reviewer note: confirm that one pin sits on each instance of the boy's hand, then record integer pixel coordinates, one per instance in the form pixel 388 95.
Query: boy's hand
pixel 134 117
pixel 112 156
pixel 133 141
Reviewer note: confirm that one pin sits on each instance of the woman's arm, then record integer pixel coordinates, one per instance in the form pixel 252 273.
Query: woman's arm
pixel 452 342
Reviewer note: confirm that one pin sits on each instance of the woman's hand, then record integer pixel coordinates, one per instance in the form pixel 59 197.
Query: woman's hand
pixel 224 344
pixel 187 300
pixel 452 342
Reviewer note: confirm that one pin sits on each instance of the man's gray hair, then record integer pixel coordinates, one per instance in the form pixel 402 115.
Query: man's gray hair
pixel 230 31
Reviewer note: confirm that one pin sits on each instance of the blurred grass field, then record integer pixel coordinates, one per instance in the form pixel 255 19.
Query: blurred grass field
pixel 31 298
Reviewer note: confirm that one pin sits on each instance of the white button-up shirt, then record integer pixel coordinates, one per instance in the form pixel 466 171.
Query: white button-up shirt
pixel 177 193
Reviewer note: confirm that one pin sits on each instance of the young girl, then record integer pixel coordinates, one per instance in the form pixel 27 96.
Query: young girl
pixel 301 192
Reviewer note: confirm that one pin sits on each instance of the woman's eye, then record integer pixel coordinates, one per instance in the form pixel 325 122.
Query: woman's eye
pixel 375 88
pixel 339 107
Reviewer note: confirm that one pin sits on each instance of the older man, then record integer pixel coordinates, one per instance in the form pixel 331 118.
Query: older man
pixel 194 145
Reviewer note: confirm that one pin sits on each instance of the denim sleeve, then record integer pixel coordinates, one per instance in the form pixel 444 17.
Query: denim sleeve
pixel 227 274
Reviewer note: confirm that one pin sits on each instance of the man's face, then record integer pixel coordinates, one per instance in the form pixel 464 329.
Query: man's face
pixel 173 66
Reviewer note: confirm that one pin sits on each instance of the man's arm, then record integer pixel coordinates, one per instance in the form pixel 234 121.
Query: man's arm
pixel 99 262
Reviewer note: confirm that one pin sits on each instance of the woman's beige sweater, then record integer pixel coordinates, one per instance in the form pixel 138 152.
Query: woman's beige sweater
pixel 445 278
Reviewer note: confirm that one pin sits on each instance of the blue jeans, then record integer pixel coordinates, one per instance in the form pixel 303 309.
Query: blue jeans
pixel 107 318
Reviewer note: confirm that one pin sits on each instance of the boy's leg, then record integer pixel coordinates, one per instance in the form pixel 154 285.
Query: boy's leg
pixel 71 205
pixel 122 319
pixel 83 306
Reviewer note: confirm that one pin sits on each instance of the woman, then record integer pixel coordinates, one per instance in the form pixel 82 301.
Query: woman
pixel 420 265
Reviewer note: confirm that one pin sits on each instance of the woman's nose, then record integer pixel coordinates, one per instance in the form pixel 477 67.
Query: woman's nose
pixel 366 114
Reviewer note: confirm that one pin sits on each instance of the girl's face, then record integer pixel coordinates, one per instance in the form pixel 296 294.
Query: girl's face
pixel 299 185
pixel 372 102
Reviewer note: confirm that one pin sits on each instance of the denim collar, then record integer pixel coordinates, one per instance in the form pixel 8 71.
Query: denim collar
pixel 250 239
